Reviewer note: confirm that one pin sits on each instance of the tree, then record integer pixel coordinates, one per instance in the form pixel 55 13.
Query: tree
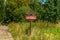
pixel 47 11
pixel 13 5
pixel 2 10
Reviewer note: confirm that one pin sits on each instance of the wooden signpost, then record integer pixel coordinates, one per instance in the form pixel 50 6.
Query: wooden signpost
pixel 30 16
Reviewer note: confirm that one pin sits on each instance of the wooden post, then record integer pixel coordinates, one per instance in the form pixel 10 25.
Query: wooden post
pixel 30 26
pixel 29 32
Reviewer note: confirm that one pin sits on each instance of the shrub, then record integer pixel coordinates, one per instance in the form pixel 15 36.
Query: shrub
pixel 19 13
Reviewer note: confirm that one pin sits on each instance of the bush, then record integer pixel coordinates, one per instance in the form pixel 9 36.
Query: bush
pixel 19 13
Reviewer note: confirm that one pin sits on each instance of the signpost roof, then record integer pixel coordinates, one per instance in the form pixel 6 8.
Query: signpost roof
pixel 31 13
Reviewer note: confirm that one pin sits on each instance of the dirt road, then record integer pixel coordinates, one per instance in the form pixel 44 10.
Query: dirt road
pixel 4 33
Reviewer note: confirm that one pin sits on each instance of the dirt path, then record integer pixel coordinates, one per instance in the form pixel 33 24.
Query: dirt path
pixel 4 33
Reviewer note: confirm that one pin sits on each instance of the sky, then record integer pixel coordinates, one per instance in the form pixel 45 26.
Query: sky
pixel 43 0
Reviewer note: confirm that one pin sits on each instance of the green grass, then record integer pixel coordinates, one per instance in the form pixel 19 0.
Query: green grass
pixel 0 22
pixel 40 31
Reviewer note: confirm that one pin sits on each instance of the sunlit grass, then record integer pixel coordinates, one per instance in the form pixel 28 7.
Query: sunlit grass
pixel 40 31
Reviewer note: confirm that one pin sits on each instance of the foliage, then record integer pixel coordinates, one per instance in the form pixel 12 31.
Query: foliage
pixel 20 13
pixel 2 10
pixel 48 11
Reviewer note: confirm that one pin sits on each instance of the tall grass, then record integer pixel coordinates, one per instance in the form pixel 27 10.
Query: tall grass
pixel 40 31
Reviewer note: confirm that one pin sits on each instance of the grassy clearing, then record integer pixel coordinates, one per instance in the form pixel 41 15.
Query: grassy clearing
pixel 40 31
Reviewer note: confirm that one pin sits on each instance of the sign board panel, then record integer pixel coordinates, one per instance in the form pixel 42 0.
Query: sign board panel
pixel 31 17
